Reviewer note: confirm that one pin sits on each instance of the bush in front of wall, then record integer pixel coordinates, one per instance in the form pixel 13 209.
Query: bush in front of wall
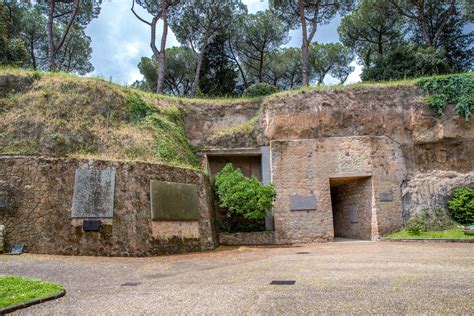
pixel 461 206
pixel 242 197
pixel 259 90
pixel 435 220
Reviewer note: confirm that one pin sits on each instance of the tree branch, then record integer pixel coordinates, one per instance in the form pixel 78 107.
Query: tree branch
pixel 68 27
pixel 138 17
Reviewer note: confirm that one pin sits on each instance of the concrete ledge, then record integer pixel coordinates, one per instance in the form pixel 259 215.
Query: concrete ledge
pixel 13 308
pixel 464 240
pixel 251 238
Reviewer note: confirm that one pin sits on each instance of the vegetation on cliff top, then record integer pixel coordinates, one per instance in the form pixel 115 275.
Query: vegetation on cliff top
pixel 457 90
pixel 65 116
pixel 62 115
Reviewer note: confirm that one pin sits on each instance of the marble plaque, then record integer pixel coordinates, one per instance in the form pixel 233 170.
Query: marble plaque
pixel 354 212
pixel 385 197
pixel 93 194
pixel 302 202
pixel 171 201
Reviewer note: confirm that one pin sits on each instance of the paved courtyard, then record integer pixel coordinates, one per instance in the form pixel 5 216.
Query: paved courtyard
pixel 342 277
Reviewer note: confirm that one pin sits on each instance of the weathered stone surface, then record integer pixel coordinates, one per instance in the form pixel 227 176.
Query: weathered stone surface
pixel 43 223
pixel 432 190
pixel 435 154
pixel 173 201
pixel 251 238
pixel 93 194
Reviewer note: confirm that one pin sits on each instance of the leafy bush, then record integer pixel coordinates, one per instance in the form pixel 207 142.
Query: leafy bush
pixel 243 197
pixel 461 206
pixel 415 225
pixel 435 220
pixel 457 90
pixel 259 90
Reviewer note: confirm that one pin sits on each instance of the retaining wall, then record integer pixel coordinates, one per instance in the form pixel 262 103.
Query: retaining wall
pixel 41 216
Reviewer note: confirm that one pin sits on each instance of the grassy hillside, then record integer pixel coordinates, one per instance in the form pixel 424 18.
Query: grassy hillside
pixel 66 116
pixel 62 115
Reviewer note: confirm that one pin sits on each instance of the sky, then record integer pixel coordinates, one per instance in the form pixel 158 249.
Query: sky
pixel 119 40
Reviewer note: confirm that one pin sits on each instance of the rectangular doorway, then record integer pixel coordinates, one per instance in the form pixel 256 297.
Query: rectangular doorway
pixel 351 199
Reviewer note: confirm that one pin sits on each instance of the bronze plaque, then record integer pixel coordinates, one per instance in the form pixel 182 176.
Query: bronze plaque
pixel 171 201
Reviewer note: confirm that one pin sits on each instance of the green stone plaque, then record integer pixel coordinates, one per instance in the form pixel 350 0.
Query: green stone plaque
pixel 171 201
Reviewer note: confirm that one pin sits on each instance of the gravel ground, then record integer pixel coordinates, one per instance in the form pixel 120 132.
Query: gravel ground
pixel 341 277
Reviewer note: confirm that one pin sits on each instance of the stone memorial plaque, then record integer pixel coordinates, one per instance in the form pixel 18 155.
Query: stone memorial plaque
pixel 302 202
pixel 91 225
pixel 171 201
pixel 354 213
pixel 385 197
pixel 93 194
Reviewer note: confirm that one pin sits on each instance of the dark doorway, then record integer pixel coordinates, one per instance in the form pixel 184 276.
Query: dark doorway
pixel 351 199
pixel 251 166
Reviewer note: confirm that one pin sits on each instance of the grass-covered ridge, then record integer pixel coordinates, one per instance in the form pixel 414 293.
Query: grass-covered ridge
pixel 454 233
pixel 16 290
pixel 61 115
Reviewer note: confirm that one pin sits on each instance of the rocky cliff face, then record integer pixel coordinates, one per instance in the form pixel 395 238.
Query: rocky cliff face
pixel 438 152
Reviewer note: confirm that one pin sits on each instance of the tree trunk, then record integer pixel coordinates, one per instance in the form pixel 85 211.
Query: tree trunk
pixel 260 68
pixel 422 22
pixel 161 55
pixel 32 53
pixel 304 45
pixel 197 75
pixel 51 48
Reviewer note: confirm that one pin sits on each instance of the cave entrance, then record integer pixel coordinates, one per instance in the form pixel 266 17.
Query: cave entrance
pixel 351 199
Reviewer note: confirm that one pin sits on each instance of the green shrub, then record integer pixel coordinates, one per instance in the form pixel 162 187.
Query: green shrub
pixel 259 90
pixel 243 197
pixel 457 90
pixel 461 206
pixel 138 107
pixel 415 225
pixel 435 220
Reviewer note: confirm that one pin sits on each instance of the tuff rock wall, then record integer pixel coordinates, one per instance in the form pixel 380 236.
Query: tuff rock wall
pixel 437 153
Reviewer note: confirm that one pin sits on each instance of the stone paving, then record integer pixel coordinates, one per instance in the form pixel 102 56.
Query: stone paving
pixel 342 277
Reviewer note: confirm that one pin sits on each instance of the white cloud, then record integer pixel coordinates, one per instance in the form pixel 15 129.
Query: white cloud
pixel 256 5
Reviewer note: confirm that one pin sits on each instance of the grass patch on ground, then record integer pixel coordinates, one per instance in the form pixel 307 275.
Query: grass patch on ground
pixel 454 233
pixel 17 290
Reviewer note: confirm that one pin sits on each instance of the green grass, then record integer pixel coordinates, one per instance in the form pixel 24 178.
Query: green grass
pixel 17 290
pixel 450 233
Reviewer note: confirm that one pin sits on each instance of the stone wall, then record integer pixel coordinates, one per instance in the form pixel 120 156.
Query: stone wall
pixel 307 167
pixel 251 238
pixel 44 192
pixel 437 152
